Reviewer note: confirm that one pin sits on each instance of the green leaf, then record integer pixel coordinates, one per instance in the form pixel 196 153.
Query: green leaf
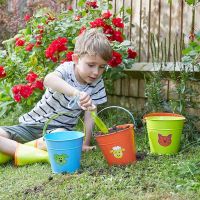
pixel 110 7
pixel 5 104
pixel 3 111
pixel 190 2
pixel 129 11
pixel 99 123
pixel 28 30
pixel 32 40
pixel 29 102
pixel 121 9
pixel 186 51
pixel 126 19
pixel 81 3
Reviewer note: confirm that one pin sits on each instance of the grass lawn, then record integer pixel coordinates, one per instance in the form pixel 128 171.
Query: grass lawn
pixel 151 177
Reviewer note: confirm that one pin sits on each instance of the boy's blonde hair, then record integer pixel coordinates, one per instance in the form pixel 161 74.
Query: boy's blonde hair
pixel 93 42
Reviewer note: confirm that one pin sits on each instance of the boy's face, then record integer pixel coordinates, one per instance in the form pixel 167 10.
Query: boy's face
pixel 88 68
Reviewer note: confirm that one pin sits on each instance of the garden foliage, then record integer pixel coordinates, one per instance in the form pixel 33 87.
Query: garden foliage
pixel 183 92
pixel 48 40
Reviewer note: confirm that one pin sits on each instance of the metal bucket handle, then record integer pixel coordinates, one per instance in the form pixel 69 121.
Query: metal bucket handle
pixel 118 107
pixel 57 115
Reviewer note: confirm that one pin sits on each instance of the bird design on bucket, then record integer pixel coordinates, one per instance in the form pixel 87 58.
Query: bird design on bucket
pixel 117 151
pixel 60 159
pixel 164 140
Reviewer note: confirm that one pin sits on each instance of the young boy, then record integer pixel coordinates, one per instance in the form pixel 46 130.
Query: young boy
pixel 82 78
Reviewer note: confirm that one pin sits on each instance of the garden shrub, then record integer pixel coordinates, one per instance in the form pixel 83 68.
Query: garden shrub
pixel 48 40
pixel 156 100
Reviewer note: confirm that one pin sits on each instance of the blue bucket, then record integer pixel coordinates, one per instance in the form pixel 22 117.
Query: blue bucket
pixel 64 149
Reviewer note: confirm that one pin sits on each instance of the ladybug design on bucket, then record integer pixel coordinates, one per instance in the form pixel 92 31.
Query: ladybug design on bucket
pixel 164 140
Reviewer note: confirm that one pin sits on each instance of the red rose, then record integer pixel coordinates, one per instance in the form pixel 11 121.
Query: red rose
pixel 26 91
pixel 31 77
pixel 116 59
pixel 111 38
pixel 41 31
pixel 16 92
pixel 69 7
pixel 27 17
pixel 17 97
pixel 29 47
pixel 106 15
pixel 40 27
pixel 16 89
pixel 118 22
pixel 97 23
pixel 19 42
pixel 2 72
pixel 37 44
pixel 132 54
pixel 57 46
pixel 92 4
pixel 83 28
pixel 107 29
pixel 21 90
pixel 38 84
pixel 117 35
pixel 69 55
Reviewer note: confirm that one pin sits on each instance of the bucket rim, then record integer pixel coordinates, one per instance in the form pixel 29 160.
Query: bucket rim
pixel 61 140
pixel 163 114
pixel 106 135
pixel 165 118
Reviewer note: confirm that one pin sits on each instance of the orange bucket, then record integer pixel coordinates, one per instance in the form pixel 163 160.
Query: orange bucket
pixel 118 148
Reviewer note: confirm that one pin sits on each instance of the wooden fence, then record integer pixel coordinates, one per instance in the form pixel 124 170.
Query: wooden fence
pixel 170 22
pixel 162 23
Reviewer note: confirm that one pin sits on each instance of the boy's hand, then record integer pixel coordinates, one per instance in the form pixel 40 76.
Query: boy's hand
pixel 85 101
pixel 88 148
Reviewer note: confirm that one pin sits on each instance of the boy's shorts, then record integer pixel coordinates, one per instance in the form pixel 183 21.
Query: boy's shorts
pixel 26 132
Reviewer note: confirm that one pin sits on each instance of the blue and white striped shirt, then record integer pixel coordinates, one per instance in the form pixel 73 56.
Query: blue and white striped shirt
pixel 53 102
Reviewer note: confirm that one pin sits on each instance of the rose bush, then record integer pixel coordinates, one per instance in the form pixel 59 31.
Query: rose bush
pixel 191 54
pixel 48 40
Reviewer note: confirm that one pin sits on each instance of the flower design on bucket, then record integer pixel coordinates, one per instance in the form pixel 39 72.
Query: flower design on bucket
pixel 117 151
pixel 60 159
pixel 164 140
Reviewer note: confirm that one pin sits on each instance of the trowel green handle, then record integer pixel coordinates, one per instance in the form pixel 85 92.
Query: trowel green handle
pixel 99 123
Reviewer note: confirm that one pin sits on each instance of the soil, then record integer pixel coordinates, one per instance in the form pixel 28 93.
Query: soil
pixel 141 156
pixel 111 130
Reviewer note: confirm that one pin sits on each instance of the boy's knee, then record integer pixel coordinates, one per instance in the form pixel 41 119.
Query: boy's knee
pixel 4 133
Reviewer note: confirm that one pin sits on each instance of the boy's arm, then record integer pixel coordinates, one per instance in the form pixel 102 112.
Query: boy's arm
pixel 54 81
pixel 89 124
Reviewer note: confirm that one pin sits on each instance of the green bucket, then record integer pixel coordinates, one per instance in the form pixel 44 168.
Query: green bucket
pixel 164 132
